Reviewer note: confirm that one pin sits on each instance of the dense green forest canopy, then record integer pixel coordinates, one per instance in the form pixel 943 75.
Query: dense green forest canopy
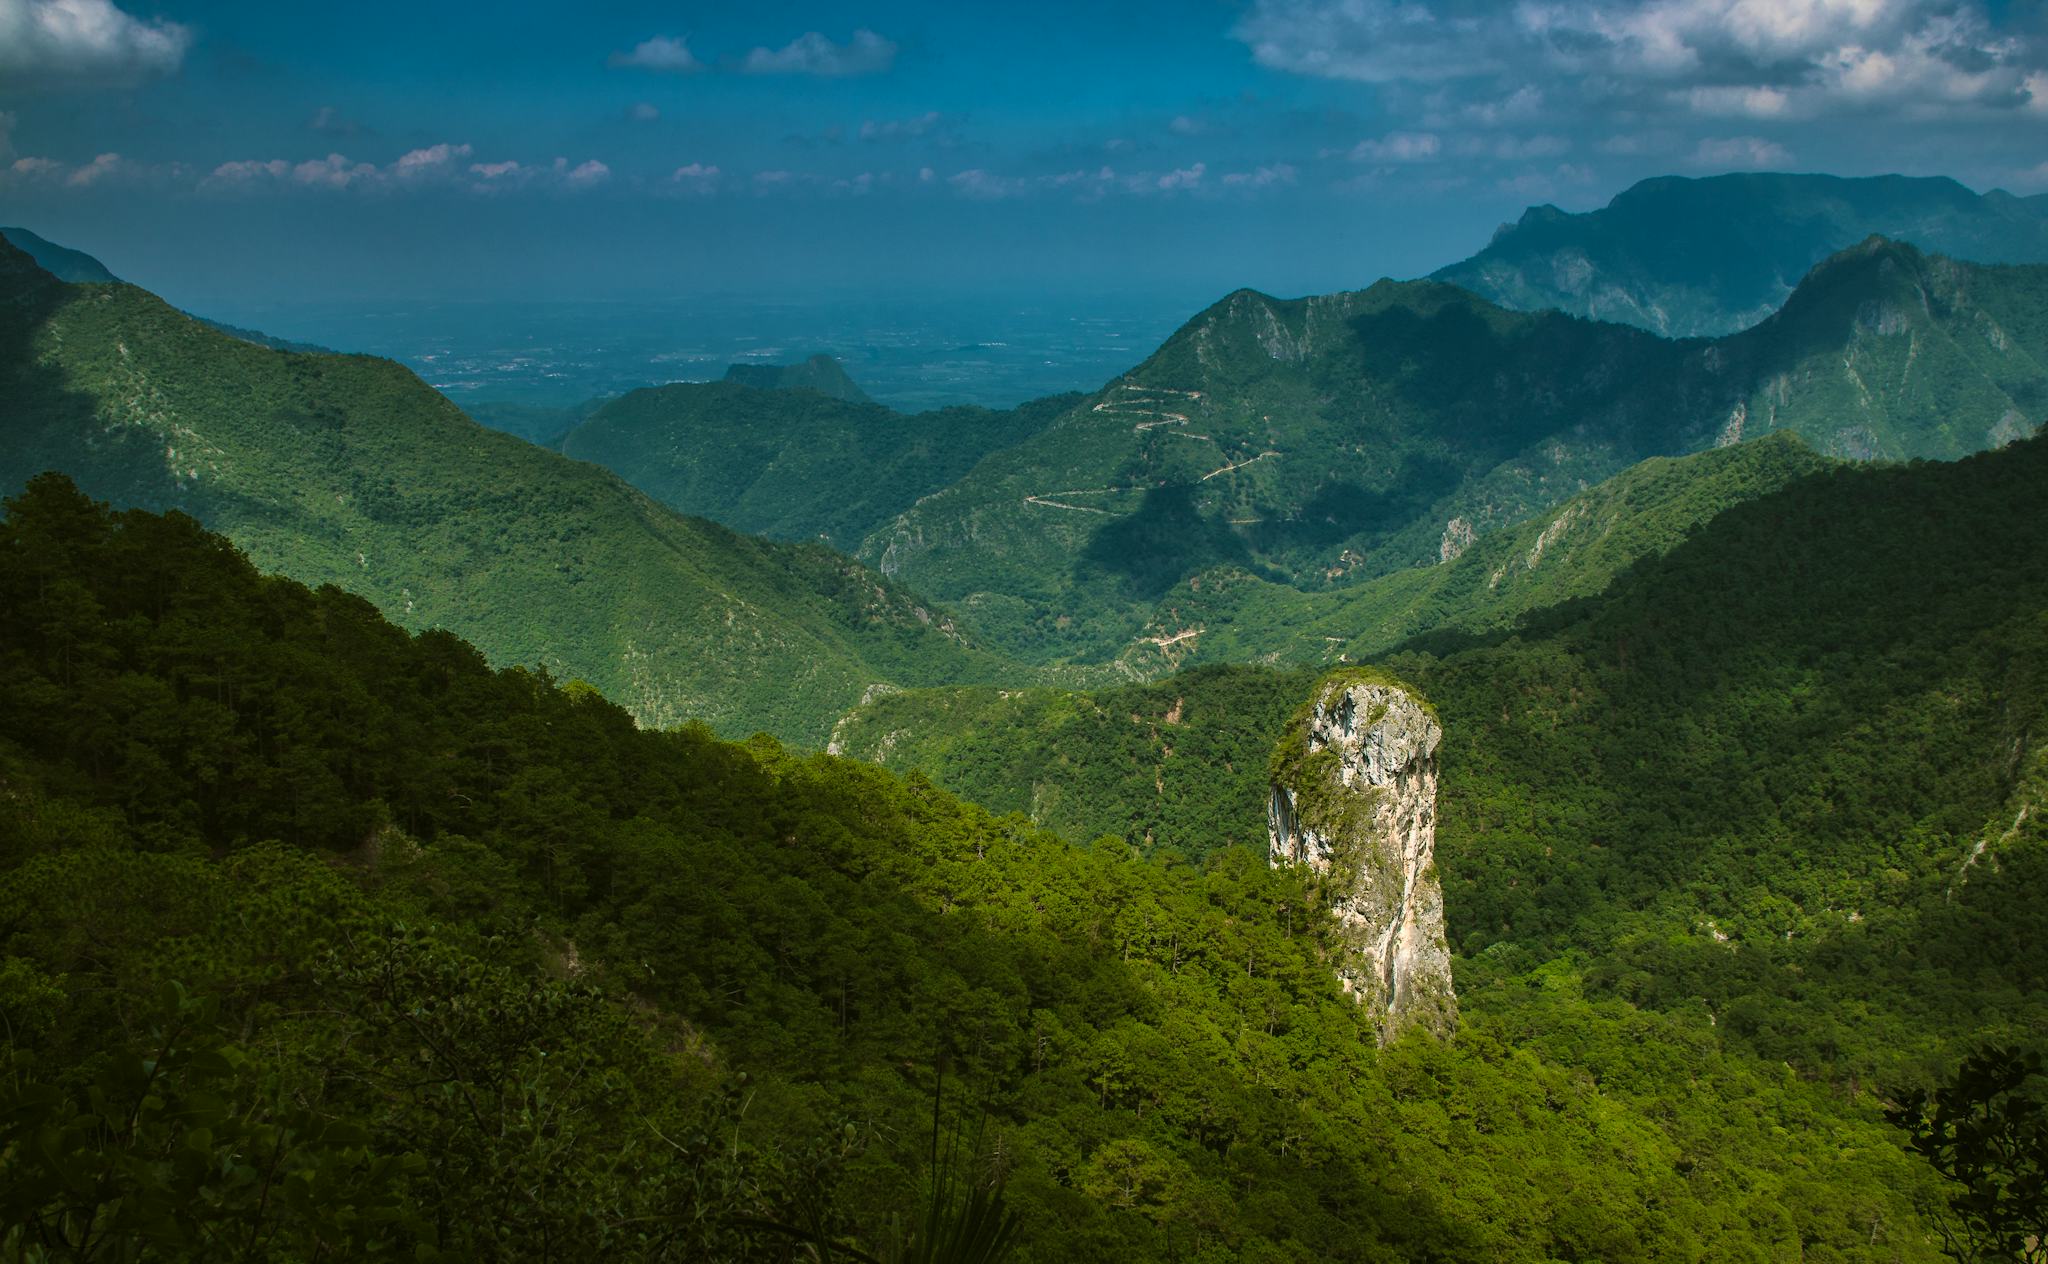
pixel 792 462
pixel 1788 775
pixel 350 470
pixel 323 939
pixel 821 373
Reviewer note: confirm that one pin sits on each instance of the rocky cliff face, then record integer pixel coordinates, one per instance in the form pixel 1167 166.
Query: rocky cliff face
pixel 1354 799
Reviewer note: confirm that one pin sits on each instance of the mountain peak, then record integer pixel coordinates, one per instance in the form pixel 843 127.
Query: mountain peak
pixel 1686 257
pixel 61 262
pixel 821 373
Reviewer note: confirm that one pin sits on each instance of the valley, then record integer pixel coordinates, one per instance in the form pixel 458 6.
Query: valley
pixel 1434 771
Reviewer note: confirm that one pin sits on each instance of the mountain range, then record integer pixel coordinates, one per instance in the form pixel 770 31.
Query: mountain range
pixel 349 470
pixel 377 881
pixel 790 461
pixel 1707 257
pixel 1323 441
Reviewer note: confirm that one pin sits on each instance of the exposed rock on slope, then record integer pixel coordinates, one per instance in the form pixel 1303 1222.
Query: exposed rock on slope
pixel 1354 799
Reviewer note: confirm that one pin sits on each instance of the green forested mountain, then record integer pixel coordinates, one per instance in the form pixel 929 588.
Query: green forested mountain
pixel 80 268
pixel 821 373
pixel 1483 584
pixel 321 940
pixel 792 463
pixel 350 470
pixel 1140 760
pixel 1330 440
pixel 1785 777
pixel 1684 257
pixel 61 262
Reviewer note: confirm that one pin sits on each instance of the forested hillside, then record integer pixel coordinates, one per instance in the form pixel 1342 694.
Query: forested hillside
pixel 820 373
pixel 790 462
pixel 1706 257
pixel 320 939
pixel 1484 583
pixel 1785 777
pixel 350 470
pixel 1326 441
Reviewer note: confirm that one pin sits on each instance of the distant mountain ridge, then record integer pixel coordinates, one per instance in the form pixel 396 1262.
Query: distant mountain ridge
pixel 821 373
pixel 62 262
pixel 349 470
pixel 79 268
pixel 788 461
pixel 1328 440
pixel 1706 257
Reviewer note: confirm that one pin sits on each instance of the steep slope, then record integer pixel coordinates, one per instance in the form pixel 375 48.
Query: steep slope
pixel 1333 439
pixel 1353 802
pixel 349 470
pixel 1139 760
pixel 1683 257
pixel 326 938
pixel 1482 584
pixel 821 373
pixel 1786 774
pixel 791 463
pixel 61 262
pixel 80 268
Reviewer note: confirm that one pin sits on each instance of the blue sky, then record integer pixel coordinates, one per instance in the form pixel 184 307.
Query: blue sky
pixel 234 153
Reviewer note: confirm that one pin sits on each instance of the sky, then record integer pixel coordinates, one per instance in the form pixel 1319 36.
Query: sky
pixel 230 153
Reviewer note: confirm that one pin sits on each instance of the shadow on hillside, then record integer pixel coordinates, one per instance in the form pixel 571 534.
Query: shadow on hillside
pixel 1147 552
pixel 1348 510
pixel 1823 681
pixel 1490 387
pixel 46 423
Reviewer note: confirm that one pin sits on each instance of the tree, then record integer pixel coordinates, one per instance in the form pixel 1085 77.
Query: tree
pixel 1986 1130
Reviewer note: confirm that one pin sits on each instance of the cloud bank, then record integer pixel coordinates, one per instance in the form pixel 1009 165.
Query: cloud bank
pixel 53 42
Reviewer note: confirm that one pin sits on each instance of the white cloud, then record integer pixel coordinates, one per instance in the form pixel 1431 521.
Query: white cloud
pixel 812 54
pixel 1260 177
pixel 1742 153
pixel 335 172
pixel 98 169
pixel 1398 147
pixel 330 120
pixel 1182 125
pixel 697 178
pixel 1544 185
pixel 586 174
pixel 1739 101
pixel 902 129
pixel 1750 58
pixel 1372 41
pixel 34 167
pixel 46 41
pixel 1513 148
pixel 986 186
pixel 420 164
pixel 246 170
pixel 663 54
pixel 644 112
pixel 444 166
pixel 1182 179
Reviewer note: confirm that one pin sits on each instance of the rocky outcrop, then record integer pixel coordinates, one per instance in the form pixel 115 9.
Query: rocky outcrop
pixel 1354 800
